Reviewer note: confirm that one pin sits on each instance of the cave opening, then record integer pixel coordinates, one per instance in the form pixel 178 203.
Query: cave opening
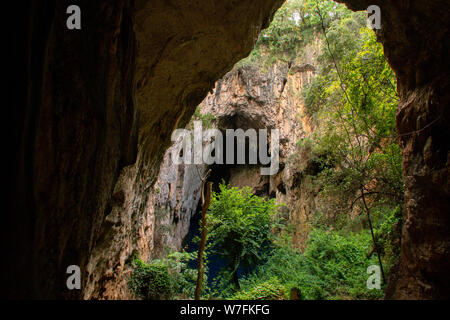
pixel 332 149
pixel 96 113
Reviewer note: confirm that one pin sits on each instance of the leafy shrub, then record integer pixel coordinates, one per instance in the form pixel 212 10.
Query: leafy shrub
pixel 268 290
pixel 151 281
pixel 167 278
pixel 240 226
pixel 340 264
pixel 184 277
pixel 292 28
pixel 332 267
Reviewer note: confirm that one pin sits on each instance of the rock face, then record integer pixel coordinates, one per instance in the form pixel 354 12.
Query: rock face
pixel 97 100
pixel 415 38
pixel 249 98
pixel 145 220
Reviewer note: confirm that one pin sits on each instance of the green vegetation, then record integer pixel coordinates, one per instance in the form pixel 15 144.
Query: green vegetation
pixel 294 26
pixel 268 290
pixel 151 281
pixel 240 226
pixel 332 267
pixel 354 99
pixel 206 119
pixel 354 152
pixel 167 278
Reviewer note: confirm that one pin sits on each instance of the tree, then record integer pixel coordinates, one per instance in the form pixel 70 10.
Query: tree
pixel 354 99
pixel 240 225
pixel 293 26
pixel 204 232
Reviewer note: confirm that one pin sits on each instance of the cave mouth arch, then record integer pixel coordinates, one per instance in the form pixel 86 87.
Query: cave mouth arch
pixel 93 113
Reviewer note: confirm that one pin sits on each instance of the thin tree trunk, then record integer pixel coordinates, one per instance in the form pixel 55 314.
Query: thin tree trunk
pixel 373 236
pixel 204 234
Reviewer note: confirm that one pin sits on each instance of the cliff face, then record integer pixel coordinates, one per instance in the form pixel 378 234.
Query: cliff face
pixel 246 98
pixel 144 220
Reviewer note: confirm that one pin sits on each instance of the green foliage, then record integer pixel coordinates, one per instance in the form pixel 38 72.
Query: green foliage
pixel 151 281
pixel 184 277
pixel 284 262
pixel 295 25
pixel 332 267
pixel 206 119
pixel 354 99
pixel 167 278
pixel 281 39
pixel 388 233
pixel 356 143
pixel 268 290
pixel 254 59
pixel 339 263
pixel 315 96
pixel 240 225
pixel 354 149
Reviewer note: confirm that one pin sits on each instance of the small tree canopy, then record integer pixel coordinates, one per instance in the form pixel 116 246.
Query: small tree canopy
pixel 240 226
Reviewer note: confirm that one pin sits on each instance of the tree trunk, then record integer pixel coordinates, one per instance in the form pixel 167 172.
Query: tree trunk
pixel 201 271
